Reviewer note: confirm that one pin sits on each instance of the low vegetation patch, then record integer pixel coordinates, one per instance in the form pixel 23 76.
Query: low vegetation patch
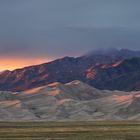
pixel 70 130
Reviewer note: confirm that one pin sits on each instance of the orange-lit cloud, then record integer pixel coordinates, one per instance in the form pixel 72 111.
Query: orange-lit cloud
pixel 14 63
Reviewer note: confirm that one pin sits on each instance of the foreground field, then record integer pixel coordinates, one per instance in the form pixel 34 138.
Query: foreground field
pixel 69 130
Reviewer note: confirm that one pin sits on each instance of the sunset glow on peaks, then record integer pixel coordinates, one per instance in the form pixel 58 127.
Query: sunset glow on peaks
pixel 15 63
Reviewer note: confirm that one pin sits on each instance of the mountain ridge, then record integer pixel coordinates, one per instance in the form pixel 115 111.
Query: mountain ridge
pixel 91 69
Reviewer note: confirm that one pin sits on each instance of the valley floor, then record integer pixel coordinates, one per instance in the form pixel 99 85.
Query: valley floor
pixel 70 130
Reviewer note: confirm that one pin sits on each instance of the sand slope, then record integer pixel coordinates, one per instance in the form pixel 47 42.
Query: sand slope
pixel 72 101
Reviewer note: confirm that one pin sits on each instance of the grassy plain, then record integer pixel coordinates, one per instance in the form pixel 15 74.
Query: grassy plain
pixel 106 130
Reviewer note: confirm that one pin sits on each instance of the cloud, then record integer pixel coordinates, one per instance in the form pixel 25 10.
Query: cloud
pixel 55 28
pixel 72 41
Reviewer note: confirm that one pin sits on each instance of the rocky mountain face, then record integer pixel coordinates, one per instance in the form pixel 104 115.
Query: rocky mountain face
pixel 68 102
pixel 103 69
pixel 125 76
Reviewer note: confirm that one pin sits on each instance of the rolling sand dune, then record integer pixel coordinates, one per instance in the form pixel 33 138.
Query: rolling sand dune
pixel 72 101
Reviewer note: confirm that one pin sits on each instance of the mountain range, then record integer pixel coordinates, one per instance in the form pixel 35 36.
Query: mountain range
pixel 69 102
pixel 106 69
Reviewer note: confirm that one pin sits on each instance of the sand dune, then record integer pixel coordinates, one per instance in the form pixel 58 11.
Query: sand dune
pixel 72 101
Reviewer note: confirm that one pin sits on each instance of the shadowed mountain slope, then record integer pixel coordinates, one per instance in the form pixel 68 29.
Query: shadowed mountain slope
pixel 104 69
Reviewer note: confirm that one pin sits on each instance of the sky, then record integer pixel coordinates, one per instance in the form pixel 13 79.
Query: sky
pixel 38 31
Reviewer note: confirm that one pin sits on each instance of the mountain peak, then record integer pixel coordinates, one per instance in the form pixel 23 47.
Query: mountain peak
pixel 122 52
pixel 96 69
pixel 75 82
